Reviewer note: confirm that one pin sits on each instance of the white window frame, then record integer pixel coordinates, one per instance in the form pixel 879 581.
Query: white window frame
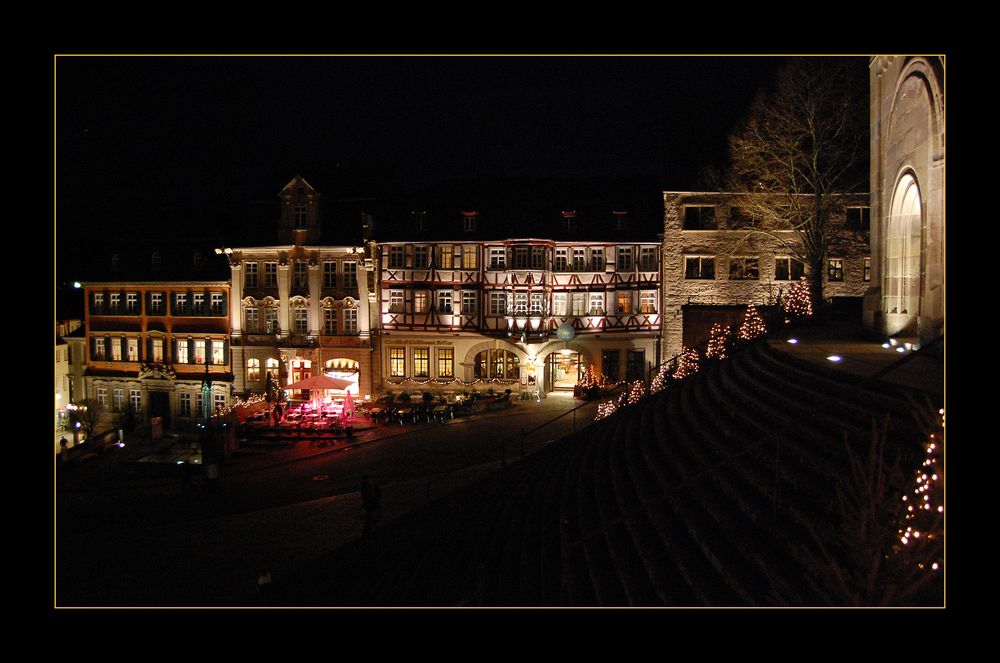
pixel 250 275
pixel 498 258
pixel 253 369
pixel 396 301
pixel 350 321
pixel 132 348
pixel 559 304
pixel 596 303
pixel 330 322
pixel 579 304
pixel 270 274
pixel 421 301
pixel 199 351
pixel 647 302
pixel 444 299
pixel 470 302
pixel 498 303
pixel 156 303
pixel 157 344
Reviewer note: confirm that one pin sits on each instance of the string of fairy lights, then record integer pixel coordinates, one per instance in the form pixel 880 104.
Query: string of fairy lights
pixel 921 530
pixel 796 304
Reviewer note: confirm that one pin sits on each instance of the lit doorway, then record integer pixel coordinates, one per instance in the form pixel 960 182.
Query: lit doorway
pixel 345 369
pixel 563 370
pixel 299 369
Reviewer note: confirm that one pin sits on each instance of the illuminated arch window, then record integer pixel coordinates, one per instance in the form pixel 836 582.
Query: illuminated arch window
pixel 902 250
pixel 501 364
pixel 253 370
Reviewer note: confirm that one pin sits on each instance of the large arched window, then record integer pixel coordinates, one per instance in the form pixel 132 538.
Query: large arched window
pixel 502 364
pixel 902 250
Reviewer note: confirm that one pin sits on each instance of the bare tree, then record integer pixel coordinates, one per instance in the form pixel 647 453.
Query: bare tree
pixel 89 414
pixel 803 143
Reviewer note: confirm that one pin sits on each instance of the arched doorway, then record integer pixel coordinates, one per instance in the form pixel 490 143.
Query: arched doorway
pixel 902 280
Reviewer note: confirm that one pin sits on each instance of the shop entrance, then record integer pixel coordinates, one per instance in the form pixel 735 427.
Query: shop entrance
pixel 562 370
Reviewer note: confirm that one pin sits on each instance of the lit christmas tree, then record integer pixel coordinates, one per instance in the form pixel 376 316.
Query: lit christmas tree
pixel 717 343
pixel 687 364
pixel 797 303
pixel 605 410
pixel 753 324
pixel 660 381
pixel 636 391
pixel 921 530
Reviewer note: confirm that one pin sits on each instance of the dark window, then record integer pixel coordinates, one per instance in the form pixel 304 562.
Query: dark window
pixel 635 367
pixel 609 364
pixel 859 218
pixel 701 267
pixel 738 218
pixel 743 269
pixel 699 218
pixel 788 269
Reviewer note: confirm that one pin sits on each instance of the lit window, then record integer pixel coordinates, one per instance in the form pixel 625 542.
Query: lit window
pixel 699 218
pixel 520 303
pixel 647 302
pixel 868 268
pixel 270 274
pixel 271 320
pixel 835 269
pixel 596 303
pixel 559 303
pixel 330 321
pixel 470 301
pixel 157 346
pixel 470 259
pixel 623 303
pixel 743 269
pixel 445 256
pixel 253 370
pixel 397 362
pixel 788 269
pixel 132 347
pixel 446 363
pixel 220 402
pixel 181 352
pixel 219 353
pixel 624 263
pixel 250 275
pixel 579 303
pixel 395 301
pixel 537 303
pixel 350 321
pixel 272 368
pixel 420 301
pixel 699 267
pixel 350 274
pixel 444 301
pixel 199 351
pixel 421 362
pixel 502 364
pixel 116 349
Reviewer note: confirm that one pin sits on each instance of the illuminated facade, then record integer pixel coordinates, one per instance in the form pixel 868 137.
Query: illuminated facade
pixel 524 314
pixel 151 344
pixel 906 295
pixel 300 308
pixel 713 267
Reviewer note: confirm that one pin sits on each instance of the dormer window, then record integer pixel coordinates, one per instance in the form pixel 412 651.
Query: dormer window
pixel 619 220
pixel 569 220
pixel 420 221
pixel 115 260
pixel 198 260
pixel 469 221
pixel 156 260
pixel 299 216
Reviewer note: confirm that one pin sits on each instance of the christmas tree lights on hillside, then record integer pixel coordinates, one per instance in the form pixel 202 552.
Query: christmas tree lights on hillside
pixel 717 343
pixel 687 364
pixel 636 391
pixel 660 381
pixel 921 531
pixel 753 325
pixel 797 303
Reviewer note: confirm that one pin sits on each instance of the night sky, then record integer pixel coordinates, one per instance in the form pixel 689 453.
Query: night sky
pixel 135 135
